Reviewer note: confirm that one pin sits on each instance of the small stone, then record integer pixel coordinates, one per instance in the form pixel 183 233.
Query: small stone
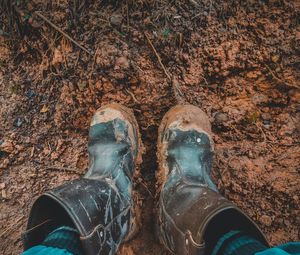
pixel 221 118
pixel 19 147
pixel 82 85
pixel 18 122
pixel 3 194
pixel 286 222
pixel 266 125
pixel 294 95
pixel 30 94
pixel 251 75
pixel 4 163
pixel 266 220
pixel 2 185
pixel 116 20
pixel 250 154
pixel 20 159
pixel 7 146
pixel 266 116
pixel 259 99
pixel 147 21
pixel 122 63
pixel 275 58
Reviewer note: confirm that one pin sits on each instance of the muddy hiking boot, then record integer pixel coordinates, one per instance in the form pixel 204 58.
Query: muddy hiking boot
pixel 192 215
pixel 101 204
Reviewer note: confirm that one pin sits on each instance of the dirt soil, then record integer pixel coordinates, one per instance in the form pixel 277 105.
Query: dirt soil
pixel 239 62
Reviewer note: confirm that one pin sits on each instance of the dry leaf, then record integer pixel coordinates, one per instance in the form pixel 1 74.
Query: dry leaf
pixel 57 57
pixel 44 109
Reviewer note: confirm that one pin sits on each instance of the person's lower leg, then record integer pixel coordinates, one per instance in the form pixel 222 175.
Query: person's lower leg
pixel 192 214
pixel 100 205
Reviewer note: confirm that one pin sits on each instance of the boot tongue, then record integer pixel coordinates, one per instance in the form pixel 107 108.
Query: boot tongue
pixel 111 131
pixel 109 148
pixel 104 158
pixel 190 154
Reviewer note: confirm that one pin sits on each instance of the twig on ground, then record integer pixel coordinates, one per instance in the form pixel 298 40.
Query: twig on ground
pixel 132 95
pixel 12 227
pixel 62 32
pixel 127 13
pixel 205 80
pixel 135 65
pixel 59 168
pixel 158 57
pixel 64 54
pixel 210 7
pixel 65 169
pixel 94 61
pixel 197 15
pixel 136 110
pixel 104 20
pixel 194 3
pixel 37 226
pixel 77 60
pixel 262 131
pixel 177 91
pixel 175 84
pixel 146 187
pixel 278 79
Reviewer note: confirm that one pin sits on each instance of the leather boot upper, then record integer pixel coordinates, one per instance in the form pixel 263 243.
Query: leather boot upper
pixel 100 205
pixel 191 212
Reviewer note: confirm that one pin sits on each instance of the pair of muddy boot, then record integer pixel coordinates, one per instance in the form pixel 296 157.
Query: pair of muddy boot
pixel 192 215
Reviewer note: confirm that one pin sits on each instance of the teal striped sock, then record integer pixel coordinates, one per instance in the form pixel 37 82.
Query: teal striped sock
pixel 64 238
pixel 237 243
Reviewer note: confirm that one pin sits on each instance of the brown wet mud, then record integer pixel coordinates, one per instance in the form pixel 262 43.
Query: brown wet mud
pixel 238 62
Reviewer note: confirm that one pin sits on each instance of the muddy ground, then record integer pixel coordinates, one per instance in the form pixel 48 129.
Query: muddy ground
pixel 239 62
